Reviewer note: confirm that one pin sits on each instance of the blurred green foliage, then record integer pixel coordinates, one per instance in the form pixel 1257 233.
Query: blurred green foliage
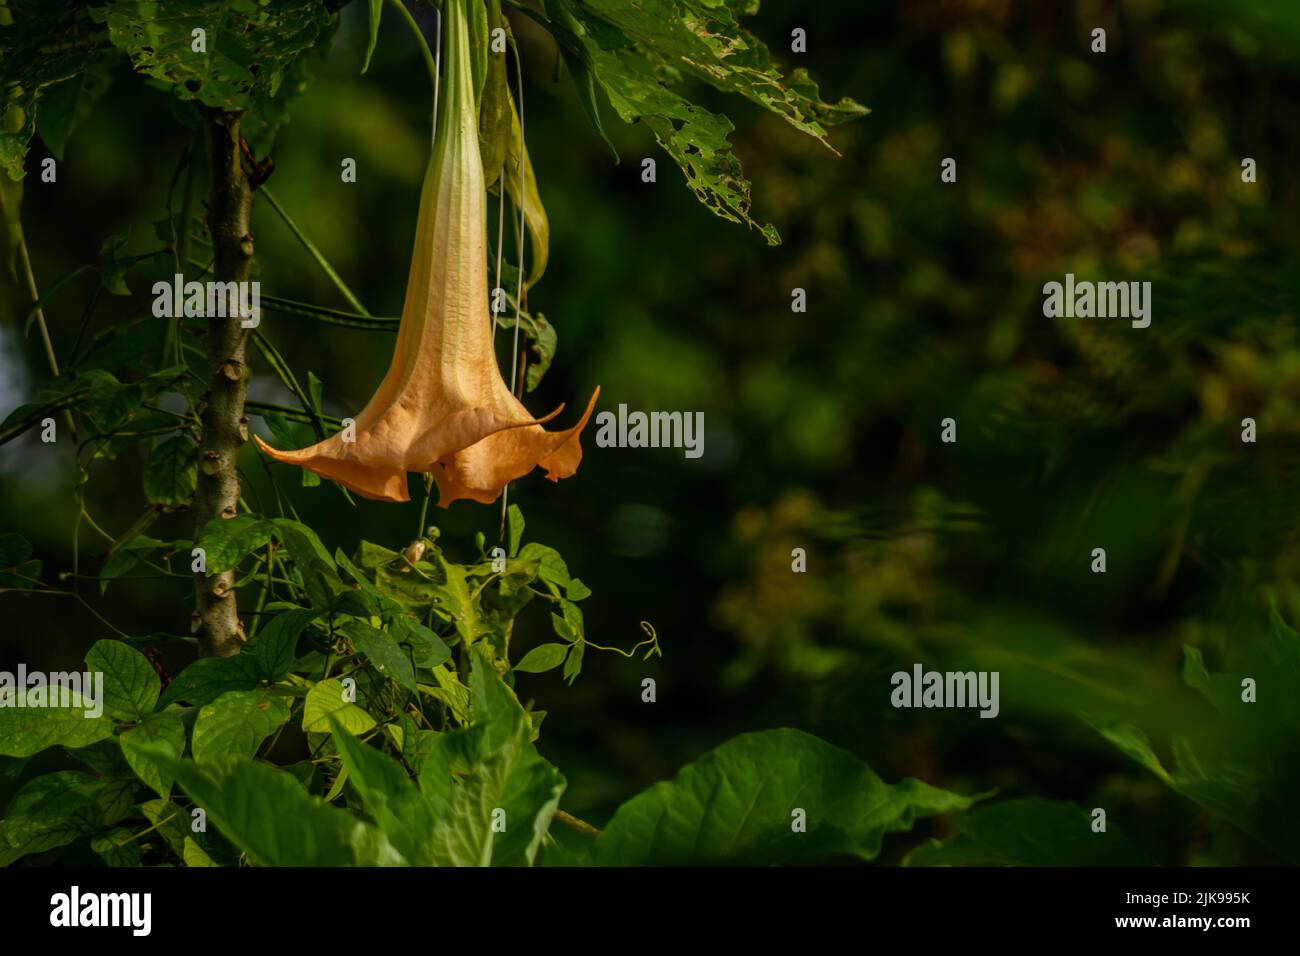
pixel 1119 690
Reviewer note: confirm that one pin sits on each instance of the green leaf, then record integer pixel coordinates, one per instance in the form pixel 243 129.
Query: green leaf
pixel 208 678
pixel 566 29
pixel 375 13
pixel 1231 790
pixel 539 333
pixel 427 647
pixel 53 810
pixel 455 600
pixel 114 264
pixel 163 730
pixel 735 806
pixel 131 684
pixel 227 541
pixel 313 563
pixel 171 473
pixel 633 50
pixel 542 658
pixel 451 692
pixel 474 776
pixel 543 341
pixel 387 656
pixel 277 642
pixel 42 44
pixel 515 528
pixel 169 820
pixel 389 797
pixel 708 41
pixel 494 103
pixel 17 567
pixel 14 549
pixel 64 106
pixel 125 557
pixel 696 139
pixel 573 663
pixel 249 46
pixel 194 855
pixel 117 848
pixel 1029 832
pixel 315 391
pixel 325 700
pixel 108 403
pixel 236 723
pixel 265 812
pixel 526 196
pixel 551 566
pixel 104 757
pixel 29 730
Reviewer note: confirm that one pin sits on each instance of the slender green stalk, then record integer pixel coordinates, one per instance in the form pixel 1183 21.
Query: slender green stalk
pixel 285 373
pixel 314 253
pixel 37 309
pixel 351 320
pixel 424 508
pixel 430 63
pixel 292 414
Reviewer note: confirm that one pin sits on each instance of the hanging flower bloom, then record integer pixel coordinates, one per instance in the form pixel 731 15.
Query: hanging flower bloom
pixel 443 407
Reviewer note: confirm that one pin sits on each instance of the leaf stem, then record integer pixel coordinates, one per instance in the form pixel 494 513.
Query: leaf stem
pixel 573 823
pixel 430 63
pixel 314 252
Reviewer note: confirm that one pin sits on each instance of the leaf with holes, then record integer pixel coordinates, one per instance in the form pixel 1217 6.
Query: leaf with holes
pixel 171 473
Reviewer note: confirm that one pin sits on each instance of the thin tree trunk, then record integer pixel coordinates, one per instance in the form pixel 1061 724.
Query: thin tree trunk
pixel 225 429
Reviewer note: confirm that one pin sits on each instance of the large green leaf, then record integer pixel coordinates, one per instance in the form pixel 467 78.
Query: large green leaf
pixel 209 677
pixel 384 653
pixel 139 744
pixel 169 820
pixel 737 805
pixel 171 473
pixel 634 50
pixel 389 797
pixel 29 730
pixel 1029 832
pixel 53 810
pixel 542 658
pixel 248 45
pixel 265 812
pixel 42 43
pixel 704 38
pixel 227 541
pixel 490 772
pixel 131 684
pixel 236 723
pixel 494 108
pixel 311 561
pixel 326 700
pixel 1246 796
pixel 277 642
pixel 65 105
pixel 1239 759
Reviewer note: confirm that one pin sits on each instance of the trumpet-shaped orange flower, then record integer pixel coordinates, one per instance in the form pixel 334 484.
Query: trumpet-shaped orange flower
pixel 443 407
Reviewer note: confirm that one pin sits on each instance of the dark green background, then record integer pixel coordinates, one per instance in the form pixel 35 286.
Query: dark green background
pixel 822 430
